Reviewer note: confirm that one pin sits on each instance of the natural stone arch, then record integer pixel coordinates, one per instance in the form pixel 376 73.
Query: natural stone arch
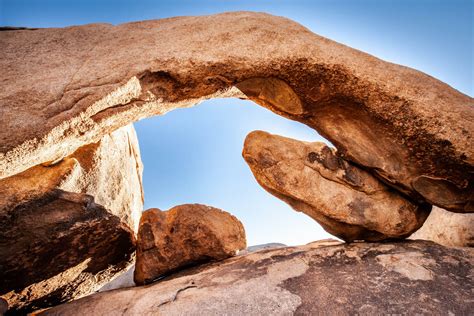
pixel 79 83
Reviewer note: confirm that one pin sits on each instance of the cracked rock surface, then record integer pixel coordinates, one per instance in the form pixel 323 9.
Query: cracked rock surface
pixel 413 277
pixel 185 235
pixel 347 201
pixel 67 87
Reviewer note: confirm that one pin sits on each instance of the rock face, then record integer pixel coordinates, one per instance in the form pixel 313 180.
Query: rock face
pixel 413 277
pixel 347 201
pixel 59 247
pixel 111 171
pixel 447 228
pixel 62 89
pixel 56 241
pixel 185 235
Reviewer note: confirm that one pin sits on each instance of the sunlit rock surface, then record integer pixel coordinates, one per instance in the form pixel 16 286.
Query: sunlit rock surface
pixel 185 235
pixel 347 201
pixel 414 277
pixel 67 87
pixel 111 170
pixel 447 228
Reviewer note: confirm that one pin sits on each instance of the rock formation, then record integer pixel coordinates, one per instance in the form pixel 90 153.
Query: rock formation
pixel 447 228
pixel 126 279
pixel 56 241
pixel 347 201
pixel 185 235
pixel 403 139
pixel 59 247
pixel 123 280
pixel 412 277
pixel 63 88
pixel 111 170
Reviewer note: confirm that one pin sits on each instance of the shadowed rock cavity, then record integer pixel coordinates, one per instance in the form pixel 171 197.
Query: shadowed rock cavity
pixel 64 89
pixel 347 201
pixel 59 247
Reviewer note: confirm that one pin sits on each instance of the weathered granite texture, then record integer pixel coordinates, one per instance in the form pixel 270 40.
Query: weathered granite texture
pixel 66 228
pixel 447 228
pixel 330 278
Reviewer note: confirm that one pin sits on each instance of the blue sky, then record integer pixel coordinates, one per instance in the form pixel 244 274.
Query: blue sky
pixel 194 155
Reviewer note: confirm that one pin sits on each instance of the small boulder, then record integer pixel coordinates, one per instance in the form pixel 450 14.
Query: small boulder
pixel 183 236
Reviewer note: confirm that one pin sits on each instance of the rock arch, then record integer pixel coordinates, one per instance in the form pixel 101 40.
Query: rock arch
pixel 63 89
pixel 74 85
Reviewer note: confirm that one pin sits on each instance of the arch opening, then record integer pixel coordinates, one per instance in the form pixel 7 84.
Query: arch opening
pixel 194 156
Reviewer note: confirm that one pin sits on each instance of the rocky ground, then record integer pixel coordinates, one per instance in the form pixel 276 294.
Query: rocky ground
pixel 415 277
pixel 71 196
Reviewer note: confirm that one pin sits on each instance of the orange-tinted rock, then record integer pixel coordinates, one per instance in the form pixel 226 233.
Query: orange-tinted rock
pixel 63 88
pixel 109 170
pixel 346 200
pixel 183 236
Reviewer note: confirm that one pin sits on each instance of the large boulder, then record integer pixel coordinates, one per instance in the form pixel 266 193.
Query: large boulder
pixel 447 228
pixel 59 247
pixel 346 200
pixel 78 213
pixel 63 88
pixel 330 278
pixel 183 236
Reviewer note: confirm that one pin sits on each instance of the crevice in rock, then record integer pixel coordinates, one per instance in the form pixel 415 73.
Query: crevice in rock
pixel 175 296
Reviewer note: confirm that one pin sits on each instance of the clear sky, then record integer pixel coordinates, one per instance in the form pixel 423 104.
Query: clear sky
pixel 194 155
